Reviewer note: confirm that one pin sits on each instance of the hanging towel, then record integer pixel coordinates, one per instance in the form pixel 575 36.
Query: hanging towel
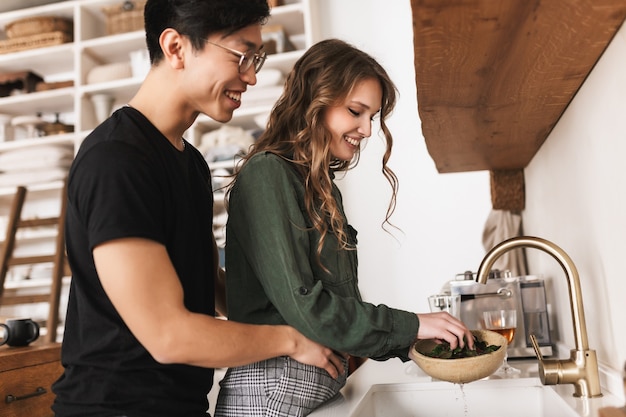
pixel 502 225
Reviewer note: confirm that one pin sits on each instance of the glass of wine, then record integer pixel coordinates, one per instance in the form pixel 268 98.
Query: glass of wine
pixel 505 323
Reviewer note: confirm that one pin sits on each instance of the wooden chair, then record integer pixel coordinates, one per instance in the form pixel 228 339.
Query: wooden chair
pixel 57 257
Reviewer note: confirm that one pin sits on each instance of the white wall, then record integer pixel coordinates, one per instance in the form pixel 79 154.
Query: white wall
pixel 441 215
pixel 576 197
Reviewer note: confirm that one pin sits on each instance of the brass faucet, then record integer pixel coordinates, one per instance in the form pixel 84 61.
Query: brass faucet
pixel 581 369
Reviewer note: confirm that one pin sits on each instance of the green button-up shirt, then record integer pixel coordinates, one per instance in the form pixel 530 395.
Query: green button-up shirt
pixel 274 277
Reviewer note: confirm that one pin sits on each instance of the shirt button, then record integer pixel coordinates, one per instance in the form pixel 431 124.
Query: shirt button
pixel 304 291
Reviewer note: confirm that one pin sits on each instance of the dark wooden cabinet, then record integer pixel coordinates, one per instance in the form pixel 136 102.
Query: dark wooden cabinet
pixel 26 377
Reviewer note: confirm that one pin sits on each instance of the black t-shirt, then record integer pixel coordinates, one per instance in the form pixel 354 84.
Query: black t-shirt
pixel 129 181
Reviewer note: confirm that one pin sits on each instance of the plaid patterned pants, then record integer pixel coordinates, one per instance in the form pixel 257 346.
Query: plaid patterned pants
pixel 278 387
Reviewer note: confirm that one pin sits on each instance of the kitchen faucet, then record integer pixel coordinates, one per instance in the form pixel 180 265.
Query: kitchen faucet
pixel 581 369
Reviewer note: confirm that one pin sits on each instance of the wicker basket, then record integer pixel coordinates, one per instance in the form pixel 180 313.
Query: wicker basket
pixel 38 25
pixel 34 41
pixel 124 17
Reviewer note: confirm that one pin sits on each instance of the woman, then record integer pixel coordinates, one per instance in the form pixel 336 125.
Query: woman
pixel 290 252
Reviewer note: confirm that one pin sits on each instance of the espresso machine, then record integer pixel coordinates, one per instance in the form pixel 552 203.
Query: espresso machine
pixel 525 294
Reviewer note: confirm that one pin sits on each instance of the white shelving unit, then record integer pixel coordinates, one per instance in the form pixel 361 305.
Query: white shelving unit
pixel 91 47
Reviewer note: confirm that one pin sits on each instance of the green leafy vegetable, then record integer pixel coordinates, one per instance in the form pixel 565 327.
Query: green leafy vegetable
pixel 443 351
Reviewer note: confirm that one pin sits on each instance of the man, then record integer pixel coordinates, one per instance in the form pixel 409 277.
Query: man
pixel 141 338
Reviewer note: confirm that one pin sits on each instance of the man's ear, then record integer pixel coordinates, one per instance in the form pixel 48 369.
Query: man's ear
pixel 172 44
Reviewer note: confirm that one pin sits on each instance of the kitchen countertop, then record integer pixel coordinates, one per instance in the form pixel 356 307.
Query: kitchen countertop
pixel 395 371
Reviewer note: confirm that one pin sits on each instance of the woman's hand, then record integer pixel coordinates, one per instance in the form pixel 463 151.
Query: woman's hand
pixel 443 326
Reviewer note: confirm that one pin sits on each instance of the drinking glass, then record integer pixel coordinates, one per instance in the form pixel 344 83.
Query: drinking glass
pixel 503 322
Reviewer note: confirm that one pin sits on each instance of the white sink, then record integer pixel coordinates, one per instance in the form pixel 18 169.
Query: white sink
pixel 523 397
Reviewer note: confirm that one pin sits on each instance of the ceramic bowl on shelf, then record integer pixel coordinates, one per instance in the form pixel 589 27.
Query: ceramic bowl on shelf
pixel 269 77
pixel 462 370
pixel 109 72
pixel 28 125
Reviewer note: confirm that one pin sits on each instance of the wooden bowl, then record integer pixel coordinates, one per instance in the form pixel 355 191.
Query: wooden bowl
pixel 463 370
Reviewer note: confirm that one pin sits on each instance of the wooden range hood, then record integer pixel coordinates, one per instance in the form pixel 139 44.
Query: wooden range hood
pixel 494 76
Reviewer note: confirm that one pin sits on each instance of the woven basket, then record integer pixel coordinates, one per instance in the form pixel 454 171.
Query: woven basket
pixel 38 25
pixel 124 17
pixel 34 41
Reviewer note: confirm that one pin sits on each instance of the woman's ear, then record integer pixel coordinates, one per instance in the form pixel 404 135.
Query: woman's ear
pixel 172 44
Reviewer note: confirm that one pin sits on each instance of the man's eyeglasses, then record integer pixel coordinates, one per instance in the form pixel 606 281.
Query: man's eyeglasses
pixel 246 60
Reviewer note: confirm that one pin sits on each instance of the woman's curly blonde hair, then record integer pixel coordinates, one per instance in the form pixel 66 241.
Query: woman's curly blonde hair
pixel 323 77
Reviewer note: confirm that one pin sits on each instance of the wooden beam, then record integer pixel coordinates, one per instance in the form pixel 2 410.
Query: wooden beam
pixel 508 190
pixel 493 77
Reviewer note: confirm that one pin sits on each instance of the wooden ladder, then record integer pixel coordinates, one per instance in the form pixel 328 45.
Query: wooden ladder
pixel 57 258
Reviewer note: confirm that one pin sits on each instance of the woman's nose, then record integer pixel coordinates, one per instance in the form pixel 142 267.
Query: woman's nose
pixel 365 128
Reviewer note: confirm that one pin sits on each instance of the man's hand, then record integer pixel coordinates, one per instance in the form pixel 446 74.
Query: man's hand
pixel 312 353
